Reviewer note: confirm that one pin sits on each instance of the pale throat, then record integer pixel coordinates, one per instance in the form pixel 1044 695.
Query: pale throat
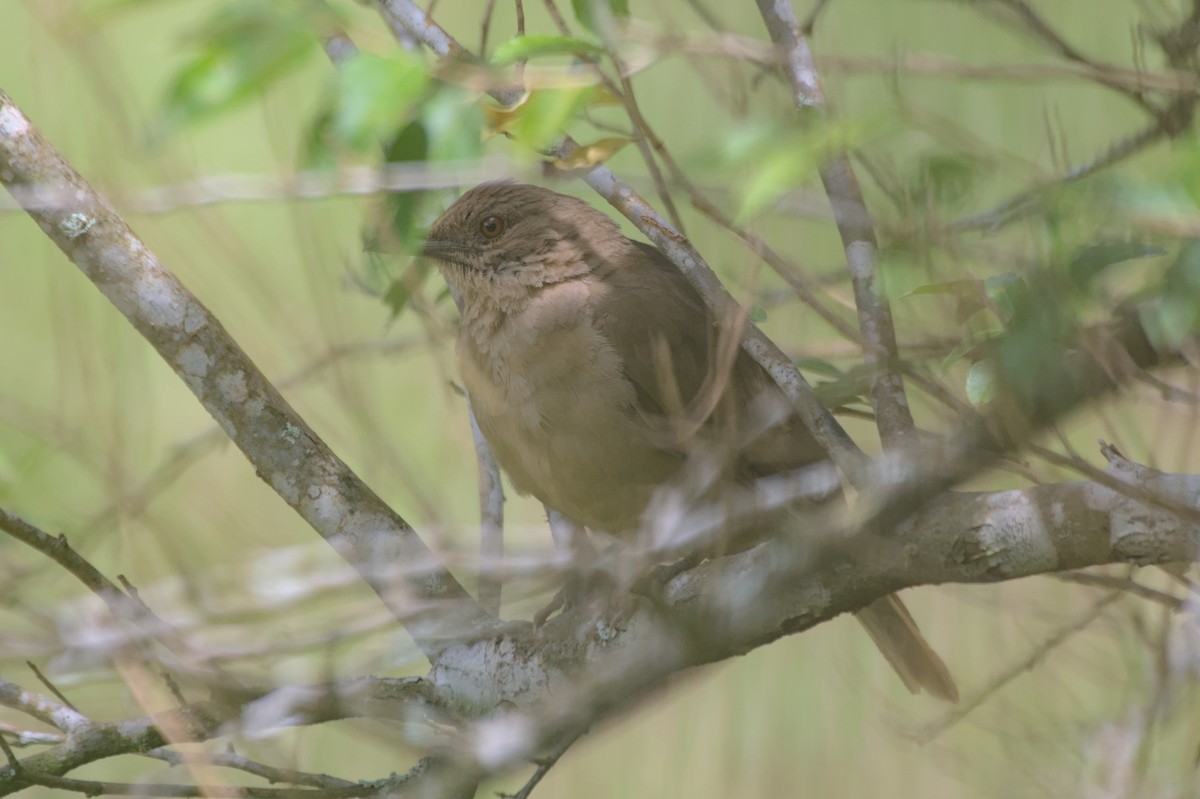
pixel 504 319
pixel 488 298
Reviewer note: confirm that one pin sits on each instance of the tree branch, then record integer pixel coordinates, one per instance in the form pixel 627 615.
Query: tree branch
pixel 88 740
pixel 285 452
pixel 560 680
pixel 491 527
pixel 880 351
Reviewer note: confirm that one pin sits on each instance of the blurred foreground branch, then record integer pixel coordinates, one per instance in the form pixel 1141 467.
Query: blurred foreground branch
pixel 529 689
pixel 285 452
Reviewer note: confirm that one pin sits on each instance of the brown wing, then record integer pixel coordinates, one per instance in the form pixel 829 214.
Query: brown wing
pixel 674 353
pixel 651 313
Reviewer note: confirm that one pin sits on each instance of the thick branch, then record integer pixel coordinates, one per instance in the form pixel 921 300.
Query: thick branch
pixel 572 673
pixel 285 452
pixel 539 687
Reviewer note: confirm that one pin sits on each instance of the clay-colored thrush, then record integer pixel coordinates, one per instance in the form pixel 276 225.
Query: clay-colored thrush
pixel 594 368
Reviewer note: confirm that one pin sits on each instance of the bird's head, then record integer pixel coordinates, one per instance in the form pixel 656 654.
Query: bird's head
pixel 512 238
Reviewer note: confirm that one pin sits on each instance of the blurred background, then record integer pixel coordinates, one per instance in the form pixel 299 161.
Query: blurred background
pixel 100 441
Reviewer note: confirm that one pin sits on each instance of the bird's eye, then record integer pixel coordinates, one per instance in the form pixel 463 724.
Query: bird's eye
pixel 491 227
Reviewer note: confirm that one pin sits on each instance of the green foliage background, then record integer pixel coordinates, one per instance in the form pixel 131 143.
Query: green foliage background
pixel 87 411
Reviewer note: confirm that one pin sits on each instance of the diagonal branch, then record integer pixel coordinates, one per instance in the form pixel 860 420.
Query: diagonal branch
pixel 42 708
pixel 880 351
pixel 284 451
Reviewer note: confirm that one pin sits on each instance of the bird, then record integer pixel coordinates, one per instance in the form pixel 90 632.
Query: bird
pixel 595 370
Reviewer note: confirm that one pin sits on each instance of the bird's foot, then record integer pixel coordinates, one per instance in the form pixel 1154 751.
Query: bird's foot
pixel 581 588
pixel 615 599
pixel 651 584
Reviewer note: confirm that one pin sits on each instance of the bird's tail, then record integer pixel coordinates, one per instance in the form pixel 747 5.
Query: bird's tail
pixel 895 633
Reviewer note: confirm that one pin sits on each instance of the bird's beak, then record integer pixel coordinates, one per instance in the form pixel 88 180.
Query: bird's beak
pixel 444 250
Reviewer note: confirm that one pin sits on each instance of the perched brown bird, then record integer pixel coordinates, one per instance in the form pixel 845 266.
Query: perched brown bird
pixel 594 367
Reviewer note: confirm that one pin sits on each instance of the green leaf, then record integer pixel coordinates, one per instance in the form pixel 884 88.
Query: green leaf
pixel 1186 165
pixel 453 121
pixel 778 172
pixel 404 287
pixel 545 113
pixel 1030 353
pixel 594 13
pixel 846 388
pixel 242 49
pixel 317 149
pixel 818 366
pixel 396 297
pixel 1174 315
pixel 970 295
pixel 945 177
pixel 377 273
pixel 1091 261
pixel 410 145
pixel 945 287
pixel 523 48
pixel 1171 321
pixel 968 345
pixel 980 383
pixel 768 160
pixel 375 97
pixel 1005 292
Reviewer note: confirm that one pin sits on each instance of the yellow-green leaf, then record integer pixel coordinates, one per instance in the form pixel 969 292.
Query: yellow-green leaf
pixel 523 48
pixel 589 155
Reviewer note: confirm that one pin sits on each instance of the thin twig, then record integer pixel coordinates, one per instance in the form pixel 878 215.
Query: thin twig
pixel 491 528
pixel 61 552
pixel 810 20
pixel 1042 31
pixel 1052 642
pixel 51 687
pixel 624 92
pixel 186 454
pixel 1026 201
pixel 543 768
pixel 486 26
pixel 13 763
pixel 1126 584
pixel 21 737
pixel 803 286
pixel 1178 45
pixel 122 604
pixel 233 760
pixel 724 44
pixel 100 787
pixel 313 704
pixel 1134 490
